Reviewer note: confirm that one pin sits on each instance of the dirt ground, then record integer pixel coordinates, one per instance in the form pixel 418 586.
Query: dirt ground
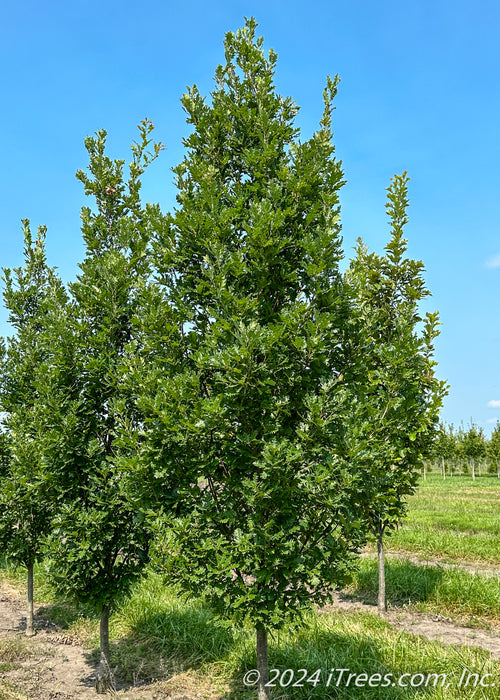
pixel 56 667
pixel 432 627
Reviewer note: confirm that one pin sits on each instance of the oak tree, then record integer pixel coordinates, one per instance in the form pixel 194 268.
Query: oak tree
pixel 100 542
pixel 396 395
pixel 247 399
pixel 33 295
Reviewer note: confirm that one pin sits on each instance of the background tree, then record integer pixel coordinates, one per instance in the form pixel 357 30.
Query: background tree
pixel 458 449
pixel 493 450
pixel 473 446
pixel 254 413
pixel 4 439
pixel 397 395
pixel 445 444
pixel 33 295
pixel 100 542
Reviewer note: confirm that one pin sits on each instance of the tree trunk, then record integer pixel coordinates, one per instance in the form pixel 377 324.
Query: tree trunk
pixel 104 682
pixel 443 468
pixel 473 470
pixel 264 693
pixel 29 617
pixel 381 602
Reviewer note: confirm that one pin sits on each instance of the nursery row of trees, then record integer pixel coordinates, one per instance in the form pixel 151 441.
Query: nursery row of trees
pixel 210 384
pixel 465 450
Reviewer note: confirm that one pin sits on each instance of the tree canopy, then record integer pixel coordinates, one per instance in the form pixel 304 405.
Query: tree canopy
pixel 33 296
pixel 99 542
pixel 213 373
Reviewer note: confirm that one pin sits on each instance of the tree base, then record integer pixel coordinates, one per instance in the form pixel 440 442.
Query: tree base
pixel 103 685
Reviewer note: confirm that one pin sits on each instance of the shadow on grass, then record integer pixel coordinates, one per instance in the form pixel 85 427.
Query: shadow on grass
pixel 63 614
pixel 406 583
pixel 166 637
pixel 323 653
pixel 162 644
pixel 162 640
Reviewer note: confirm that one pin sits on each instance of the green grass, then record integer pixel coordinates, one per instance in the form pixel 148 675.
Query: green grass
pixel 471 598
pixel 7 691
pixel 157 635
pixel 156 631
pixel 455 520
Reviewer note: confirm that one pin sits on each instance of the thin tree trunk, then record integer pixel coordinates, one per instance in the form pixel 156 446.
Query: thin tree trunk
pixel 264 693
pixel 29 617
pixel 424 472
pixel 443 468
pixel 473 470
pixel 381 601
pixel 104 682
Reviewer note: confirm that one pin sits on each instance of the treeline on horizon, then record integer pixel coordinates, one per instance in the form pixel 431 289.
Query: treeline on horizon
pixel 211 391
pixel 466 449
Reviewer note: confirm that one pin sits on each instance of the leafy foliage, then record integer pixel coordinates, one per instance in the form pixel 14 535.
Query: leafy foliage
pixel 33 294
pixel 397 396
pixel 245 406
pixel 99 542
pixel 472 443
pixel 493 447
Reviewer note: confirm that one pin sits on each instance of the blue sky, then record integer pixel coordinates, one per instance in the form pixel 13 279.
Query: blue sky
pixel 419 92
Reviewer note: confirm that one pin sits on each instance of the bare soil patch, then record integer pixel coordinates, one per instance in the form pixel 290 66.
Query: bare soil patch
pixel 54 666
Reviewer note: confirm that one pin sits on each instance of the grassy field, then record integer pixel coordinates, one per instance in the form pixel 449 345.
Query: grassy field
pixel 470 599
pixel 156 634
pixel 456 520
pixel 187 636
